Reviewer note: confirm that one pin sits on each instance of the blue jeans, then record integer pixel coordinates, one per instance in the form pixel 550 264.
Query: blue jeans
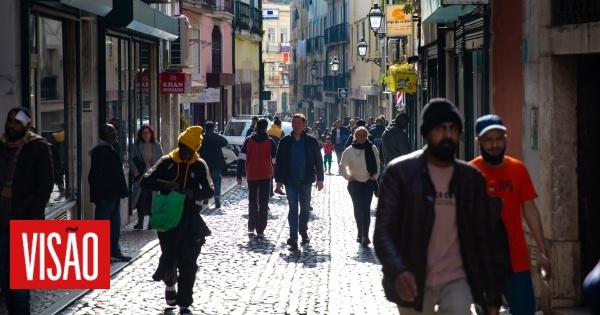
pixel 110 209
pixel 215 175
pixel 298 193
pixel 518 292
pixel 17 301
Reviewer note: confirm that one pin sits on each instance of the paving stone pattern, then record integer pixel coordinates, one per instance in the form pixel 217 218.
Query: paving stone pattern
pixel 241 275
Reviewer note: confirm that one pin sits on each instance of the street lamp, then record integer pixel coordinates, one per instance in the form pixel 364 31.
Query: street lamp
pixel 313 71
pixel 335 64
pixel 375 18
pixel 362 52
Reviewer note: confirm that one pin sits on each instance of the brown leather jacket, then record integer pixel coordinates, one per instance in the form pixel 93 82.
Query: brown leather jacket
pixel 405 216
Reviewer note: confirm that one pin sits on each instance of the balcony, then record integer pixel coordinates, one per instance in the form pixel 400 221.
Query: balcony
pixel 273 47
pixel 310 91
pixel 225 6
pixel 575 11
pixel 337 34
pixel 314 45
pixel 332 83
pixel 256 21
pixel 248 21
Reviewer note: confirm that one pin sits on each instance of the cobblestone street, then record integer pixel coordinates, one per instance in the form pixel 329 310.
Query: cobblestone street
pixel 240 275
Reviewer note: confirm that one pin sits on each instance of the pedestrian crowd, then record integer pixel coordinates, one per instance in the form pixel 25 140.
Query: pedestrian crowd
pixel 448 232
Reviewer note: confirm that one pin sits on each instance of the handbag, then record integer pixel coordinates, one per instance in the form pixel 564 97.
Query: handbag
pixel 167 210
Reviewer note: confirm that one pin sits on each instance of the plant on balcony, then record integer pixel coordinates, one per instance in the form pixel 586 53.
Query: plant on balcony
pixel 257 30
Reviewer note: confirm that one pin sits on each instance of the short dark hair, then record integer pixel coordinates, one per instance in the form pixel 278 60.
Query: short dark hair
pixel 400 116
pixel 102 130
pixel 277 121
pixel 361 122
pixel 298 115
pixel 255 118
pixel 262 124
pixel 209 125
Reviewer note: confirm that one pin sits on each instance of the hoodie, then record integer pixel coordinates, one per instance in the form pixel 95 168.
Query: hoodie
pixel 257 157
pixel 394 143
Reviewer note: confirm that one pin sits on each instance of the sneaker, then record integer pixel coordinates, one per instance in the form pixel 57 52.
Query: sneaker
pixel 171 297
pixel 260 236
pixel 185 311
pixel 305 240
pixel 293 243
pixel 217 203
pixel 250 232
pixel 279 191
pixel 138 227
pixel 120 257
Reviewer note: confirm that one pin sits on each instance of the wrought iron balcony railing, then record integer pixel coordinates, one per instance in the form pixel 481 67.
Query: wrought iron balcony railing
pixel 314 44
pixel 332 83
pixel 336 34
pixel 273 47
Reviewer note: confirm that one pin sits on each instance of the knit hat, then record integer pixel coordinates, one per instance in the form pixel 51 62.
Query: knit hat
pixel 192 137
pixel 437 111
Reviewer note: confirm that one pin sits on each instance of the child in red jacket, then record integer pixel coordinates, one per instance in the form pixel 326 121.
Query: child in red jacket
pixel 328 148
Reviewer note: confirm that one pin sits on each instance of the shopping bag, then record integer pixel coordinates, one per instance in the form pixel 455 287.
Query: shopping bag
pixel 166 211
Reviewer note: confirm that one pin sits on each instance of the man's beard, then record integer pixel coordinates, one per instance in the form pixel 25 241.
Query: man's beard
pixel 442 152
pixel 492 159
pixel 14 135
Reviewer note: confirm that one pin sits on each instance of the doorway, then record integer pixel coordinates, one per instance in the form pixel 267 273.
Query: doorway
pixel 588 157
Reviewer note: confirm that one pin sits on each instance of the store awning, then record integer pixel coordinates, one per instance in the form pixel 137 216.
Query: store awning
pixel 98 7
pixel 445 11
pixel 137 16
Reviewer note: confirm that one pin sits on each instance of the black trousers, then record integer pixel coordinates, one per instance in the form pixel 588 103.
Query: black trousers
pixel 362 195
pixel 258 204
pixel 144 205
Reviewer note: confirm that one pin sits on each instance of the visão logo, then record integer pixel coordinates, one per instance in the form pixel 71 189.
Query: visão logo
pixel 60 254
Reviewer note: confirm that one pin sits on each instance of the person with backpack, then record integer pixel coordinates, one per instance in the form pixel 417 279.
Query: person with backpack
pixel 377 132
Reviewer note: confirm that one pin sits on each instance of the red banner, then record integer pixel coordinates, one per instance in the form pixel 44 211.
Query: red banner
pixel 59 254
pixel 175 82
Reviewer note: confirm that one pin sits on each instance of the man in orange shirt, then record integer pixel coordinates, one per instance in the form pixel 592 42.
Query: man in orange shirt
pixel 508 179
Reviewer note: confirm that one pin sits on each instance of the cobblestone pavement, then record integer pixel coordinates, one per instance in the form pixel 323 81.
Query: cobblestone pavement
pixel 240 275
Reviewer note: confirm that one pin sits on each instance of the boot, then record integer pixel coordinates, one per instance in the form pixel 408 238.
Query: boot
pixel 217 203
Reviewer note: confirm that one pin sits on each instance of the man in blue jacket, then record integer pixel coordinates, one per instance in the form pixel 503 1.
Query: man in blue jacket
pixel 298 164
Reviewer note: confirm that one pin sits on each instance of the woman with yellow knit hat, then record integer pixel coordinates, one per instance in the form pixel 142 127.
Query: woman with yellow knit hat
pixel 184 171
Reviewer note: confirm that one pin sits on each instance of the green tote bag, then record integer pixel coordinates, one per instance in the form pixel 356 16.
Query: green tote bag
pixel 167 211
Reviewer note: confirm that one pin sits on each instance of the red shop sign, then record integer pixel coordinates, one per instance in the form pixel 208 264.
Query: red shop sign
pixel 175 82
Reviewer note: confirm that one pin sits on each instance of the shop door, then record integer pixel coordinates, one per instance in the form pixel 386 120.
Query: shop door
pixel 588 157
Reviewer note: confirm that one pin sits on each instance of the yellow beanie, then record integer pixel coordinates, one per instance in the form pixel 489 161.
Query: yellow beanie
pixel 192 137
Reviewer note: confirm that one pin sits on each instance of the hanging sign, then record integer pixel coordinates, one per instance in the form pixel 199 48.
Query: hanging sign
pixel 175 82
pixel 397 23
pixel 402 78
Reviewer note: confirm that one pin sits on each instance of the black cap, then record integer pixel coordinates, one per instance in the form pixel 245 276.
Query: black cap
pixel 437 111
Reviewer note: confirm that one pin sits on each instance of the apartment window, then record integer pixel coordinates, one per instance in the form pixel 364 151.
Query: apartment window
pixel 283 35
pixel 271 35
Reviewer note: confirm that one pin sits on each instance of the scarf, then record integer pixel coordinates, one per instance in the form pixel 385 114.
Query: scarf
pixel 174 155
pixel 6 195
pixel 369 155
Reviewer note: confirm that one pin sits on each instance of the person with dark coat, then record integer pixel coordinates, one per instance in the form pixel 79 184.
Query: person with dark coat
pixel 211 153
pixel 395 139
pixel 276 134
pixel 376 132
pixel 27 180
pixel 339 136
pixel 108 186
pixel 252 126
pixel 182 170
pixel 299 164
pixel 432 232
pixel 256 159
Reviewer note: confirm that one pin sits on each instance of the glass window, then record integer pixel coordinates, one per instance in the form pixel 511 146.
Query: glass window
pixel 50 99
pixel 271 35
pixel 237 128
pixel 283 35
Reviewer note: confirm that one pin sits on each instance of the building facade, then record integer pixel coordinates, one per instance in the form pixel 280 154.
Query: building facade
pixel 276 56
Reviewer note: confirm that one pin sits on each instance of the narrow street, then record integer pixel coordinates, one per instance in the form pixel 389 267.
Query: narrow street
pixel 240 275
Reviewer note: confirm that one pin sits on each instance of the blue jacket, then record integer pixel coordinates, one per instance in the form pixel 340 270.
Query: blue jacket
pixel 314 160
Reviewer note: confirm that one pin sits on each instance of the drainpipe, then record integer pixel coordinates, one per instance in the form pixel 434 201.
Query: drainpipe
pixel 486 61
pixel 79 179
pixel 25 57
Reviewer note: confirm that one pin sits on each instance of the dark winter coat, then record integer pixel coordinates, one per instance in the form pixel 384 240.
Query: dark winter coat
pixel 32 184
pixel 191 224
pixel 211 152
pixel 314 160
pixel 394 143
pixel 405 216
pixel 106 177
